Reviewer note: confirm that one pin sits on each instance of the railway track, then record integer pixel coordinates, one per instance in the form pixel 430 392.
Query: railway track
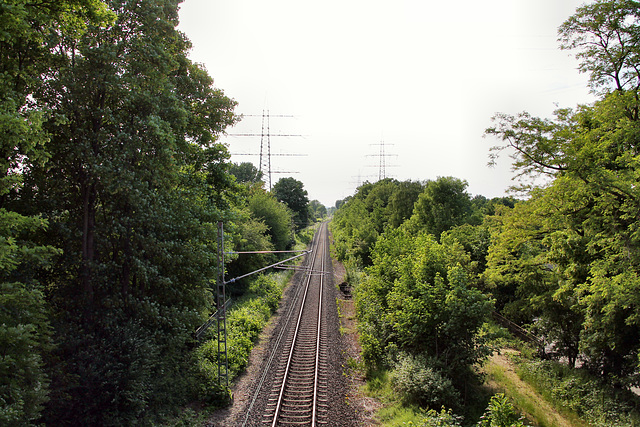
pixel 294 379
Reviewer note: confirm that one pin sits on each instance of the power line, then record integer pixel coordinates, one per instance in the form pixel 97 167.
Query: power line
pixel 264 163
pixel 382 166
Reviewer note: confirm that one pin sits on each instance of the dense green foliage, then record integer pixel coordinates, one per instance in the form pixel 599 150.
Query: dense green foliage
pixel 362 218
pixel 317 211
pixel 30 32
pixel 111 185
pixel 563 262
pixel 594 401
pixel 569 255
pixel 418 304
pixel 443 204
pixel 277 217
pixel 500 413
pixel 246 172
pixel 291 192
pixel 244 323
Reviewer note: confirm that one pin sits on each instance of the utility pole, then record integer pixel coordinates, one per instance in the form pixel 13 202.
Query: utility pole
pixel 220 315
pixel 221 303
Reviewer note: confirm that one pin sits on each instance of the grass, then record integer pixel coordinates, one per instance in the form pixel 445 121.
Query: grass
pixel 535 408
pixel 551 393
pixel 393 412
pixel 574 391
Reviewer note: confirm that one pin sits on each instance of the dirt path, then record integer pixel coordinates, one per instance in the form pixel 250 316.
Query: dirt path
pixel 502 361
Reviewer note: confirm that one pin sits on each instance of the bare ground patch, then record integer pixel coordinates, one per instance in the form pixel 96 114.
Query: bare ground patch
pixel 365 407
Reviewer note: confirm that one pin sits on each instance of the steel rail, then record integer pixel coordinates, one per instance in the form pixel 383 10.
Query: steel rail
pixel 278 340
pixel 282 386
pixel 315 376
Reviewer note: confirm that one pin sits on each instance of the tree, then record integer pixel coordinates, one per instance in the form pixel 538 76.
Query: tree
pixel 402 201
pixel 415 299
pixel 443 204
pixel 354 234
pixel 605 34
pixel 249 234
pixel 246 172
pixel 585 216
pixel 134 184
pixel 317 210
pixel 30 32
pixel 276 216
pixel 291 192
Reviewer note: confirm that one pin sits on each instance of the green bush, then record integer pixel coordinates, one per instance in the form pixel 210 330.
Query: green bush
pixel 245 321
pixel 420 383
pixel 444 418
pixel 24 337
pixel 306 235
pixel 500 413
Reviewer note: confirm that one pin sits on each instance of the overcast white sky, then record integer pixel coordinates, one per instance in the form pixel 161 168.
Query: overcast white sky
pixel 424 76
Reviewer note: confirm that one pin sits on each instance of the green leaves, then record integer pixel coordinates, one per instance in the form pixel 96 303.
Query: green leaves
pixel 569 255
pixel 276 216
pixel 500 413
pixel 605 34
pixel 443 204
pixel 416 299
pixel 291 192
pixel 24 339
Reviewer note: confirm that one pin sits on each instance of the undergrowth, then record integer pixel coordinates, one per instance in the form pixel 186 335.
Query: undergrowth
pixel 579 397
pixel 598 403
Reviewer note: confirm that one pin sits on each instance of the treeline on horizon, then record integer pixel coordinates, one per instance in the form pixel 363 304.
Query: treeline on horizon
pixel 111 186
pixel 563 259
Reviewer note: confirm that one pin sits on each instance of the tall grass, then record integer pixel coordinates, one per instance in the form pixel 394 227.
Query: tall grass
pixel 600 404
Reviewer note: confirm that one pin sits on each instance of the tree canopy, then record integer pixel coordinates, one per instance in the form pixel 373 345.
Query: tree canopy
pixel 291 192
pixel 570 253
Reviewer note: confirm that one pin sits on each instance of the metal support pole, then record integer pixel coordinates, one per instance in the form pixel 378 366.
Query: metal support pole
pixel 223 361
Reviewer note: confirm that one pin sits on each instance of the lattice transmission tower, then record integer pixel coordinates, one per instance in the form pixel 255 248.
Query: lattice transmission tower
pixel 264 162
pixel 382 164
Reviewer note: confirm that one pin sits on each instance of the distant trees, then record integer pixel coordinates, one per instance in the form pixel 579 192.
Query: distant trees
pixel 443 204
pixel 317 210
pixel 433 206
pixel 276 216
pixel 291 192
pixel 246 172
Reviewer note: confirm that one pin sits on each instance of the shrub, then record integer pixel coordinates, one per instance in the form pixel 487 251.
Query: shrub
pixel 24 337
pixel 245 321
pixel 444 418
pixel 500 413
pixel 422 384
